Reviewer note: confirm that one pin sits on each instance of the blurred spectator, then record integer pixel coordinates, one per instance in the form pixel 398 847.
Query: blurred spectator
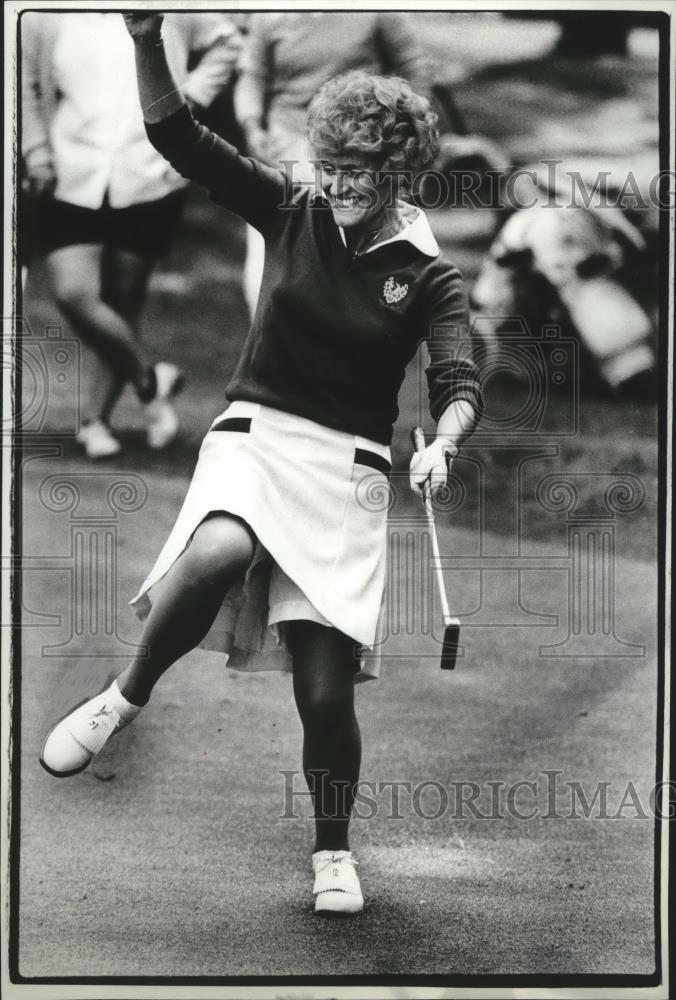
pixel 553 261
pixel 109 204
pixel 589 33
pixel 289 55
pixel 220 116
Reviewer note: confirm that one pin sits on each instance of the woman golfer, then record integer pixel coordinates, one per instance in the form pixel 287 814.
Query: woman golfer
pixel 278 554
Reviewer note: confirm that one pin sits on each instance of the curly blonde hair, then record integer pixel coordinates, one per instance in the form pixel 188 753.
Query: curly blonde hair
pixel 379 118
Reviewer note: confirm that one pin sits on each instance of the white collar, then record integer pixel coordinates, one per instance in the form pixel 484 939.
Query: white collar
pixel 416 231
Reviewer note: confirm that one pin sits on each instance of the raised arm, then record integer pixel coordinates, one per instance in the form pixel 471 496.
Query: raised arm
pixel 249 188
pixel 160 96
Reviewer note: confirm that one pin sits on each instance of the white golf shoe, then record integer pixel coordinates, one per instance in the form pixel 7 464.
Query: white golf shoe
pixel 97 440
pixel 160 416
pixel 336 889
pixel 72 742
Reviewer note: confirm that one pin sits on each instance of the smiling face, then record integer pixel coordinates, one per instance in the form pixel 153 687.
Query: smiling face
pixel 356 201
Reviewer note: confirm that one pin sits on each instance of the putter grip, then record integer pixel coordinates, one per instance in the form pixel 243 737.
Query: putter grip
pixel 418 439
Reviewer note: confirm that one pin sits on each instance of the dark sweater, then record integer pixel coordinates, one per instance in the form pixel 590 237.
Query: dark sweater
pixel 325 343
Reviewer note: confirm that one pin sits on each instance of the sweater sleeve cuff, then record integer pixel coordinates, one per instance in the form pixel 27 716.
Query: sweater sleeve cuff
pixel 450 383
pixel 442 396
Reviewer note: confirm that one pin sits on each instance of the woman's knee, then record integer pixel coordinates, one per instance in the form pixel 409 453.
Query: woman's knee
pixel 74 298
pixel 323 665
pixel 321 652
pixel 221 547
pixel 77 298
pixel 325 709
pixel 74 278
pixel 125 278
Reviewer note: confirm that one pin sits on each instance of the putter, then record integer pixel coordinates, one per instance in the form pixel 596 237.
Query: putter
pixel 449 650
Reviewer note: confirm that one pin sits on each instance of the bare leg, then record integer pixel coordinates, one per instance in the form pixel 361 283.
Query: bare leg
pixel 75 273
pixel 323 684
pixel 218 555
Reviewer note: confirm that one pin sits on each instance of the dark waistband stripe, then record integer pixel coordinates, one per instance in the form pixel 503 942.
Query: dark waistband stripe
pixel 361 455
pixel 241 424
pixel 372 460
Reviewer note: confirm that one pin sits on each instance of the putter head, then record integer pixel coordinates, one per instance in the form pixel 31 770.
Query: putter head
pixel 449 650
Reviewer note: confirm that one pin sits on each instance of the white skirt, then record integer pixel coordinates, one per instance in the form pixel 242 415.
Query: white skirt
pixel 317 501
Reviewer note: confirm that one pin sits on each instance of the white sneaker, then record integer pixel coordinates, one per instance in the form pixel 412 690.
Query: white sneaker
pixel 97 440
pixel 336 888
pixel 71 743
pixel 160 415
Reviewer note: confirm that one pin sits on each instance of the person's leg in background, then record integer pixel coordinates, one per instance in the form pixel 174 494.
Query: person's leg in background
pixel 184 608
pixel 74 272
pixel 323 682
pixel 124 286
pixel 137 237
pixel 125 278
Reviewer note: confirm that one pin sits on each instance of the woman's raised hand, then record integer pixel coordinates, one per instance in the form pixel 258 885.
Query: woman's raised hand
pixel 142 26
pixel 159 94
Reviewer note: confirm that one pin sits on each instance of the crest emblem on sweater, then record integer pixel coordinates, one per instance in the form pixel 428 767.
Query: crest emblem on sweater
pixel 393 291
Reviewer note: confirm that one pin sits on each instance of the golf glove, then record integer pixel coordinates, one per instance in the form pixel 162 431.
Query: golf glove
pixel 433 464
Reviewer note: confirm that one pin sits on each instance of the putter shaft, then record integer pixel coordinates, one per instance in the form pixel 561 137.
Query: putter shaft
pixel 449 650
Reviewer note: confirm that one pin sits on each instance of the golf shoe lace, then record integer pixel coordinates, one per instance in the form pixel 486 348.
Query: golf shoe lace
pixel 333 860
pixel 107 715
pixel 92 731
pixel 331 875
